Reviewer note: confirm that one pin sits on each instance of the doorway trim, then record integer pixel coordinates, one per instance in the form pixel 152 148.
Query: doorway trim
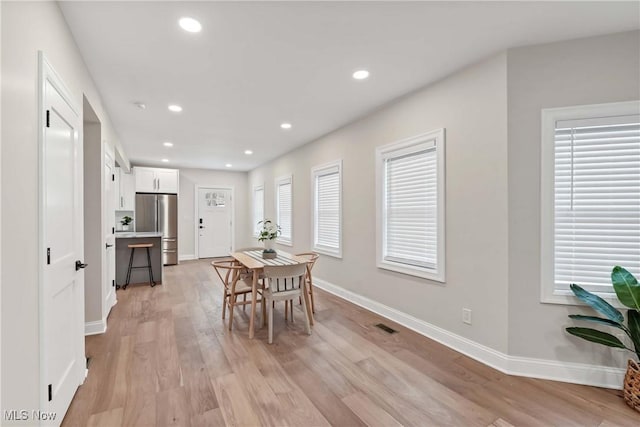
pixel 46 73
pixel 196 215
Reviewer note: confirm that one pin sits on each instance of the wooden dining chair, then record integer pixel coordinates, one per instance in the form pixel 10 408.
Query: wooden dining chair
pixel 311 258
pixel 284 283
pixel 235 283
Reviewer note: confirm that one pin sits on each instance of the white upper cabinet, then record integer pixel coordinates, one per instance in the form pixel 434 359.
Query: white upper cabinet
pixel 125 190
pixel 145 180
pixel 167 180
pixel 156 180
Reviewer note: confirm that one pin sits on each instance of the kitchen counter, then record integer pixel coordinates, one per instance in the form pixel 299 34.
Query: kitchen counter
pixel 123 253
pixel 137 234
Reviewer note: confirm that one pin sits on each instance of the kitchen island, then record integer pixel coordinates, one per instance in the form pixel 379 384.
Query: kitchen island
pixel 138 275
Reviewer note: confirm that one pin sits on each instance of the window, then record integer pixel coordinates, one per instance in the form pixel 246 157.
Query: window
pixel 258 208
pixel 327 208
pixel 410 187
pixel 284 209
pixel 590 197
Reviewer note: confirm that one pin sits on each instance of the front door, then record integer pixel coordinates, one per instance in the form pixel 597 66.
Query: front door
pixel 62 293
pixel 214 222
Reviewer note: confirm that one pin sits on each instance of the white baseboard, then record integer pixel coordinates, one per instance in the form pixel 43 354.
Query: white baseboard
pixel 577 373
pixel 94 328
pixel 187 257
pixel 111 301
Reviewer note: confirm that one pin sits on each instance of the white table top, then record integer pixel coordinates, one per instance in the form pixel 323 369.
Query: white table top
pixel 137 234
pixel 253 263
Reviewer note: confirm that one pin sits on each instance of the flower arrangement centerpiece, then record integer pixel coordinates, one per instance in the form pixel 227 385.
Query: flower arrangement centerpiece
pixel 269 232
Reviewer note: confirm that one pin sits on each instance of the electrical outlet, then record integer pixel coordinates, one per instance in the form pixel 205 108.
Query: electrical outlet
pixel 466 316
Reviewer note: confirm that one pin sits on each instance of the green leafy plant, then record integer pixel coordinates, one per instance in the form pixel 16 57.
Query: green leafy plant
pixel 628 292
pixel 126 220
pixel 269 231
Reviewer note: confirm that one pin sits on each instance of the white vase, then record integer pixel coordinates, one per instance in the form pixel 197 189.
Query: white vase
pixel 125 227
pixel 268 244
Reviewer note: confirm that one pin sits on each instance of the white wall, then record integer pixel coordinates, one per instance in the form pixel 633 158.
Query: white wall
pixel 493 202
pixel 585 71
pixel 189 179
pixel 471 105
pixel 93 224
pixel 26 28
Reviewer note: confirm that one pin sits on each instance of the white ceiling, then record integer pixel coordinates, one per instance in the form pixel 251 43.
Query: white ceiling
pixel 258 64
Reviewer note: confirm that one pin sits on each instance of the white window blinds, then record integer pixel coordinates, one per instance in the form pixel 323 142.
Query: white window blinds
pixel 411 208
pixel 284 208
pixel 327 209
pixel 258 209
pixel 597 200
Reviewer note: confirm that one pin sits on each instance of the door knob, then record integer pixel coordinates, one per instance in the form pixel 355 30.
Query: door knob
pixel 108 245
pixel 80 265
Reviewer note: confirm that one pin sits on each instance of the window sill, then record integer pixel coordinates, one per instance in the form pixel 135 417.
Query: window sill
pixel 412 271
pixel 284 242
pixel 566 297
pixel 323 251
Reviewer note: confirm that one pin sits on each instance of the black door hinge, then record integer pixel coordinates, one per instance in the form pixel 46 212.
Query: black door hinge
pixel 113 283
pixel 113 230
pixel 48 256
pixel 50 389
pixel 48 121
pixel 113 177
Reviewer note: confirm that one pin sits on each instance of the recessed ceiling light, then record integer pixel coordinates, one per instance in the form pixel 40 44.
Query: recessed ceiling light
pixel 168 144
pixel 248 152
pixel 285 125
pixel 175 108
pixel 140 105
pixel 361 74
pixel 228 165
pixel 189 24
pixel 165 160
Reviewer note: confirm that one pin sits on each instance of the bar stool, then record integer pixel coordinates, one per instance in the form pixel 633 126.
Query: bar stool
pixel 133 248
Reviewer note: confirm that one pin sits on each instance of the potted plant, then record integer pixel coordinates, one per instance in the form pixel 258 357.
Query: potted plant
pixel 125 221
pixel 628 292
pixel 270 231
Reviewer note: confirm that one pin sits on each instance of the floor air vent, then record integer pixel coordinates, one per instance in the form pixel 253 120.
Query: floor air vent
pixel 386 328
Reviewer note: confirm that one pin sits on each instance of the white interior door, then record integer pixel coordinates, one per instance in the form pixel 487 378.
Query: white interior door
pixel 62 297
pixel 109 262
pixel 214 222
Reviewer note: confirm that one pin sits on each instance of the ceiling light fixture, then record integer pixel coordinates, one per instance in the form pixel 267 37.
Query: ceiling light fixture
pixel 189 24
pixel 361 74
pixel 140 105
pixel 248 152
pixel 285 125
pixel 175 108
pixel 165 160
pixel 168 144
pixel 228 165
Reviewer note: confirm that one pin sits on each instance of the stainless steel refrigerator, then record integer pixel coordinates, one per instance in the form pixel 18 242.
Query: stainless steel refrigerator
pixel 159 212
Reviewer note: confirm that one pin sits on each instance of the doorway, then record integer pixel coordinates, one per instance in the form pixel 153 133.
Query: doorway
pixel 214 221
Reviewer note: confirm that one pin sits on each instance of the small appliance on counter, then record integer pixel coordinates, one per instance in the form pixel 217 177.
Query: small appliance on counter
pixel 159 213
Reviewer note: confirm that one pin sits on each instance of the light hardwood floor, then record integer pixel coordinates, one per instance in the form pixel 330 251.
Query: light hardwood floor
pixel 167 359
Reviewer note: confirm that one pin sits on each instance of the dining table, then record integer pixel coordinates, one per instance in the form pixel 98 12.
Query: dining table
pixel 253 261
